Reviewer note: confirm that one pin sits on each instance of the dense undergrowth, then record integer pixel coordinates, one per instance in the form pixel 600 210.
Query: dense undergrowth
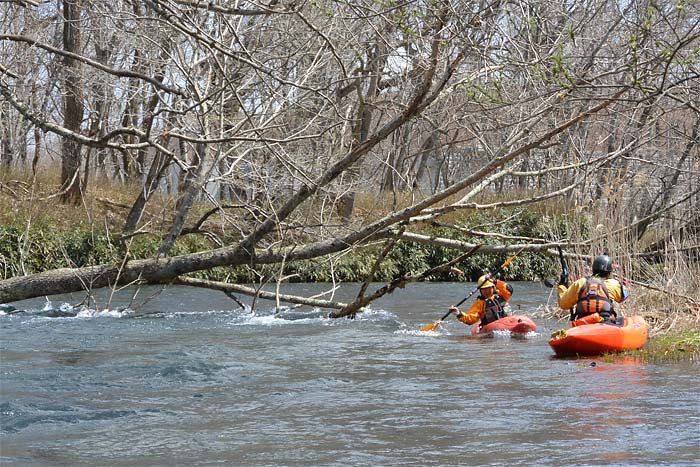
pixel 30 247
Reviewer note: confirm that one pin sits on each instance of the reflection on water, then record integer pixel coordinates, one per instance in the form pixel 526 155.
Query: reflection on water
pixel 202 382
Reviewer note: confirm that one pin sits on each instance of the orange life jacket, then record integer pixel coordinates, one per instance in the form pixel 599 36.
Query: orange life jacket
pixel 594 298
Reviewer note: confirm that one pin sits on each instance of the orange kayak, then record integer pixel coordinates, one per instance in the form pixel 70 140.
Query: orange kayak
pixel 600 338
pixel 516 324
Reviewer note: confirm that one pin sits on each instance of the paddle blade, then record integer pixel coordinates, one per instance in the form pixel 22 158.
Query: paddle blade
pixel 430 327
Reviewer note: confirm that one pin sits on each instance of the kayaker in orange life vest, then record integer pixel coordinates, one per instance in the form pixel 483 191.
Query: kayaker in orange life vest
pixel 594 294
pixel 490 305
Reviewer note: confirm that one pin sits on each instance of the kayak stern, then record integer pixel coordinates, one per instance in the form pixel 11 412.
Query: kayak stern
pixel 597 339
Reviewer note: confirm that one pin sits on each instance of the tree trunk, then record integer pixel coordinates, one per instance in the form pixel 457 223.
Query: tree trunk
pixel 158 163
pixel 5 141
pixel 155 173
pixel 189 191
pixel 73 105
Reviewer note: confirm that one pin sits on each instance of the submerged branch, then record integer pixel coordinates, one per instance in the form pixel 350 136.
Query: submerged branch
pixel 400 282
pixel 228 288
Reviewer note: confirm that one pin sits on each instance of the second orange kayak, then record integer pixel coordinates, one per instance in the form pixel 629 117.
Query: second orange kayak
pixel 600 338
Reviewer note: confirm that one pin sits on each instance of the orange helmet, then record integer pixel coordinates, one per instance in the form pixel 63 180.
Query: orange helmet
pixel 485 282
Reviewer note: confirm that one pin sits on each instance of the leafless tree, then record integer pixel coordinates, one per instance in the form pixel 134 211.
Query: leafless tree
pixel 313 128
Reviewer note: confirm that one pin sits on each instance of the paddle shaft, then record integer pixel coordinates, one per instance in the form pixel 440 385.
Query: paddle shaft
pixel 458 304
pixel 550 282
pixel 572 311
pixel 561 260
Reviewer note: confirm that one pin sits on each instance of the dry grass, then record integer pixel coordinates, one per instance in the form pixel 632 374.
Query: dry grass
pixel 28 199
pixel 372 206
pixel 666 294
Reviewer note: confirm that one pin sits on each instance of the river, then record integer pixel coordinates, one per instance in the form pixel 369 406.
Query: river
pixel 202 382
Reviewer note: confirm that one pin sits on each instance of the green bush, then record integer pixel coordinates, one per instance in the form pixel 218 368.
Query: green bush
pixel 44 247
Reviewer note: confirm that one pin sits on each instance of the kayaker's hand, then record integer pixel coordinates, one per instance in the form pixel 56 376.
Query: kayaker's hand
pixel 455 310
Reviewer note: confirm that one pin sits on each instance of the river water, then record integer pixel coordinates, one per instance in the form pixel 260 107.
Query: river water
pixel 203 382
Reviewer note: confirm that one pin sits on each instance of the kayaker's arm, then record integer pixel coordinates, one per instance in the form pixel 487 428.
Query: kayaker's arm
pixel 617 290
pixel 567 297
pixel 473 314
pixel 504 289
pixel 625 292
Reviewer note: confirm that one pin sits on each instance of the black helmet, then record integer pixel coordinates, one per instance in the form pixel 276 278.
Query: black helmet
pixel 602 264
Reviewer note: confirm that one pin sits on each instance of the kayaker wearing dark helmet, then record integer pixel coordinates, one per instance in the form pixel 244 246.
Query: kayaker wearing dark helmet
pixel 592 295
pixel 490 305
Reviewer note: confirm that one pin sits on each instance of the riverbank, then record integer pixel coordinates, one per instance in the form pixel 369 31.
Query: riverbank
pixel 680 345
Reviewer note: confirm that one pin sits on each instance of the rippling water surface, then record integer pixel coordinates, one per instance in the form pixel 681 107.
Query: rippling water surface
pixel 201 382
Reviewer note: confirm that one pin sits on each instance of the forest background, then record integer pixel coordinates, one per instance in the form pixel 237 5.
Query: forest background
pixel 222 143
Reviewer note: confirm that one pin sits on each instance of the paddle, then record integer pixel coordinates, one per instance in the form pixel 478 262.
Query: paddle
pixel 564 270
pixel 433 326
pixel 550 281
pixel 564 279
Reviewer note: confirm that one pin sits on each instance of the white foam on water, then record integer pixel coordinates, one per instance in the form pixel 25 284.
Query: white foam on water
pixel 104 313
pixel 418 332
pixel 289 316
pixel 272 320
pixel 238 317
pixel 50 312
pixel 527 334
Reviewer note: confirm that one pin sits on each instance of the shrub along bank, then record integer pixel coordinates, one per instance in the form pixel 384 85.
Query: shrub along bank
pixel 44 246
